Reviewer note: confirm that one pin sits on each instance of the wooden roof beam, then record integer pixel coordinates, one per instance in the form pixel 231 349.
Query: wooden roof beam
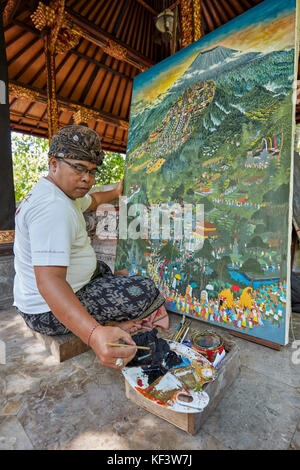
pixel 171 7
pixel 41 95
pixel 148 7
pixel 70 51
pixel 100 64
pixel 10 10
pixel 106 41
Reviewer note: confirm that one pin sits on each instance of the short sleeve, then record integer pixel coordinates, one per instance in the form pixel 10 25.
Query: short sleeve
pixel 51 232
pixel 84 202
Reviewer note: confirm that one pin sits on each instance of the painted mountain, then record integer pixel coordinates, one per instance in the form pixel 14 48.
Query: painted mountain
pixel 212 125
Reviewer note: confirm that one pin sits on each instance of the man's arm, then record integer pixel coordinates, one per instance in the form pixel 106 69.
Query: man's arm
pixel 104 197
pixel 52 285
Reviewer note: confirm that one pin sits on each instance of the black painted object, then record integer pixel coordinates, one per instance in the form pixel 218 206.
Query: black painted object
pixel 152 362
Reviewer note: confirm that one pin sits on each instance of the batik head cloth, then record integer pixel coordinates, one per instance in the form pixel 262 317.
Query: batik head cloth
pixel 77 142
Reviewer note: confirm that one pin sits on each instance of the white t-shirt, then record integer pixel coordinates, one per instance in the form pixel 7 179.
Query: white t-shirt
pixel 50 230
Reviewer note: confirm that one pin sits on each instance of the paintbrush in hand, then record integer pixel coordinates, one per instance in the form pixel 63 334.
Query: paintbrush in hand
pixel 122 345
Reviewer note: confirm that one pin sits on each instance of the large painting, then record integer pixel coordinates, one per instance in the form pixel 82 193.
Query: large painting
pixel 212 127
pixel 296 192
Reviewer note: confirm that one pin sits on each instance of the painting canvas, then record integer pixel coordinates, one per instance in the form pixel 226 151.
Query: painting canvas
pixel 296 192
pixel 212 127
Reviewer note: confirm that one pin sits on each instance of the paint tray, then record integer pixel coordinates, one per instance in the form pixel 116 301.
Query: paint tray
pixel 168 390
pixel 194 376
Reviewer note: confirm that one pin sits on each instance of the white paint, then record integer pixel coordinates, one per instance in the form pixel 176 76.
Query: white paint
pixel 168 382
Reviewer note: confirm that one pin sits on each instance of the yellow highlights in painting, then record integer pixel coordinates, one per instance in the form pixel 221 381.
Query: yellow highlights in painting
pixel 139 167
pixel 138 153
pixel 246 298
pixel 262 114
pixel 208 231
pixel 156 165
pixel 278 34
pixel 227 297
pixel 207 184
pixel 212 160
pixel 164 80
pixel 154 136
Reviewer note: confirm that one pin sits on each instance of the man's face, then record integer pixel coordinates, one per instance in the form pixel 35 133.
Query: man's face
pixel 72 180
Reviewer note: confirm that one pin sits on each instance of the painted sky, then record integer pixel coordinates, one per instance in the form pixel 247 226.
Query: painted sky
pixel 267 27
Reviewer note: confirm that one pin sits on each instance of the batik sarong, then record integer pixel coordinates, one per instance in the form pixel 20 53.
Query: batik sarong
pixel 107 298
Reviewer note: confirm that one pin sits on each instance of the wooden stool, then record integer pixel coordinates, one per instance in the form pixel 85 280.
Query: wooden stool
pixel 62 347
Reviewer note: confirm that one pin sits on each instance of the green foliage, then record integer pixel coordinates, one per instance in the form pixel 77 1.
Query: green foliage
pixel 30 163
pixel 111 170
pixel 256 242
pixel 251 266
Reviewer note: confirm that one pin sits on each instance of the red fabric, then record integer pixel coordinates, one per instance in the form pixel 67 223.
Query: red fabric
pixel 157 319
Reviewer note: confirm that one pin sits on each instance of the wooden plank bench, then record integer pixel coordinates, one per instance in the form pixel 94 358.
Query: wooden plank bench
pixel 62 347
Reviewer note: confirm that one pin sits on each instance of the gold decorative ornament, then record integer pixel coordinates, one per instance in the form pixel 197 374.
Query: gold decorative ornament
pixel 197 20
pixel 7 236
pixel 115 50
pixel 22 92
pixel 66 40
pixel 191 26
pixel 187 22
pixel 8 10
pixel 83 115
pixel 43 17
pixel 124 125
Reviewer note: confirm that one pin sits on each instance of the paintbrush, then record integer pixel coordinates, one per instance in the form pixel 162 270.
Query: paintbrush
pixel 186 332
pixel 122 345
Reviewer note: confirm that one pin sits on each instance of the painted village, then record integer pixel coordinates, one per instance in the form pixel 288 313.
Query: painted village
pixel 238 278
pixel 150 228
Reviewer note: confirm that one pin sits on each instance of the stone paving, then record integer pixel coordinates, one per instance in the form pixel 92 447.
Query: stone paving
pixel 81 405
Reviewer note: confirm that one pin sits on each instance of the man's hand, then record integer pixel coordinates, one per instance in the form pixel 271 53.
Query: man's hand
pixel 108 355
pixel 119 188
pixel 52 284
pixel 105 197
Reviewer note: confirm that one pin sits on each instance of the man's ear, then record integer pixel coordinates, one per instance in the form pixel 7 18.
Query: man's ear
pixel 53 164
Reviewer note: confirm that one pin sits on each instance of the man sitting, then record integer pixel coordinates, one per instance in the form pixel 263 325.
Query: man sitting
pixel 59 285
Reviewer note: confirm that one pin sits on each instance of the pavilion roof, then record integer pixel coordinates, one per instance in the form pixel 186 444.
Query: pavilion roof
pixel 94 70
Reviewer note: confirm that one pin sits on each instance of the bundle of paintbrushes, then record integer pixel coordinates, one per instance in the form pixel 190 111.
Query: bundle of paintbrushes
pixel 182 330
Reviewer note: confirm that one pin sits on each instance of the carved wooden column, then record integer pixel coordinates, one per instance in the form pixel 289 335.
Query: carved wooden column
pixel 50 20
pixel 51 87
pixel 191 27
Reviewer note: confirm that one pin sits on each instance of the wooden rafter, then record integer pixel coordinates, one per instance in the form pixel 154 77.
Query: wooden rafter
pixel 9 11
pixel 35 94
pixel 148 7
pixel 106 41
pixel 68 53
pixel 122 33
